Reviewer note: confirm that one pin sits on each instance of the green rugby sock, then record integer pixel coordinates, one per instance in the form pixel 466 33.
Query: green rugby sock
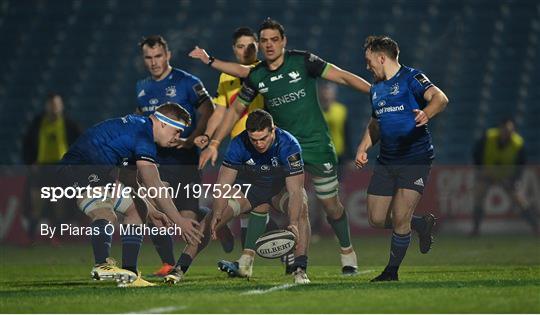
pixel 256 227
pixel 341 228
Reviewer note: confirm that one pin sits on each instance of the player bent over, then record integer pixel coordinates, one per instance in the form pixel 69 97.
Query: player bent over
pixel 287 81
pixel 269 160
pixel 92 161
pixel 403 100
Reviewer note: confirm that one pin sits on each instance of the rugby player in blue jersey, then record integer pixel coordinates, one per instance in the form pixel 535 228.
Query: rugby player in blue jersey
pixel 269 159
pixel 94 160
pixel 403 100
pixel 178 164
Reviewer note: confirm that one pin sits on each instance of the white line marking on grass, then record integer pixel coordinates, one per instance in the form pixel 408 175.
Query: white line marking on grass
pixel 363 272
pixel 159 310
pixel 272 289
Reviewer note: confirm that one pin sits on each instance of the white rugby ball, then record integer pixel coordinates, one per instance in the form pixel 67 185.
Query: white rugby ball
pixel 275 244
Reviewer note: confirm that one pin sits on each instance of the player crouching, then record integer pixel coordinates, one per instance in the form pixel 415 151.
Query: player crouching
pixel 93 161
pixel 268 160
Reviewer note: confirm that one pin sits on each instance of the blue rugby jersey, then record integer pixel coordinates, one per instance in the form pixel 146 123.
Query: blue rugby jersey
pixel 115 142
pixel 179 87
pixel 282 159
pixel 392 103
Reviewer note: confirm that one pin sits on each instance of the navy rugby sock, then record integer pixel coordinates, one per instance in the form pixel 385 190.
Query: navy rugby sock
pixel 165 248
pixel 398 249
pixel 131 244
pixel 184 262
pixel 101 242
pixel 300 262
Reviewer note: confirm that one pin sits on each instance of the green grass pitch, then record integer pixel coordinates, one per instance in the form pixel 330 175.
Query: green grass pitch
pixel 460 275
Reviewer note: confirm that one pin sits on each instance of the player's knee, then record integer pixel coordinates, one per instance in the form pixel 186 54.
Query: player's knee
pixel 334 211
pixel 401 222
pixel 102 214
pixel 376 220
pixel 262 209
pixel 132 216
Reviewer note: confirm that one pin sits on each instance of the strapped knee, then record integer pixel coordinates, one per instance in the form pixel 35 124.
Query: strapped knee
pixel 326 187
pixel 282 201
pixel 235 206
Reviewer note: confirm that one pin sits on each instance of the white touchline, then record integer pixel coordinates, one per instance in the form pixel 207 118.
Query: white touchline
pixel 159 310
pixel 272 289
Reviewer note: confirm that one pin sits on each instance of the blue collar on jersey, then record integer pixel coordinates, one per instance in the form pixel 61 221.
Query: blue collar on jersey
pixel 171 122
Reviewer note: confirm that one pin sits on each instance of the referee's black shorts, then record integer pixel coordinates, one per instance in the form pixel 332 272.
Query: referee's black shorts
pixel 388 178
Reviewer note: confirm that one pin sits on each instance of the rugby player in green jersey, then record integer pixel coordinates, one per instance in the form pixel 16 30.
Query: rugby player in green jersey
pixel 287 80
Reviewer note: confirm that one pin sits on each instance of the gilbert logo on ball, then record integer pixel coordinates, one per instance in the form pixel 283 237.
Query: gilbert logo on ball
pixel 275 244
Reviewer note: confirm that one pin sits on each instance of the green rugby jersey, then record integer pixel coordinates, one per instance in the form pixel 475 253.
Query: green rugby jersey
pixel 290 96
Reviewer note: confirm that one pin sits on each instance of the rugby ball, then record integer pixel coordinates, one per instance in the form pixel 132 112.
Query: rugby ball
pixel 275 244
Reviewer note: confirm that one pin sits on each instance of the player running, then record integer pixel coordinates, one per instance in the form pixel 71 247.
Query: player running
pixel 179 165
pixel 93 161
pixel 287 81
pixel 268 159
pixel 403 101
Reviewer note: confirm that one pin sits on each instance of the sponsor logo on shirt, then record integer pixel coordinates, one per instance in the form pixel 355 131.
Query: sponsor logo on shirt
pixel 200 90
pixel 381 103
pixel 287 98
pixel 153 101
pixel 422 79
pixel 389 109
pixel 146 109
pixel 295 160
pixel 141 93
pixel 250 162
pixel 262 88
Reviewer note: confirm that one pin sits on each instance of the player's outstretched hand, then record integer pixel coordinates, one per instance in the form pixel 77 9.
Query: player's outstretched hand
pixel 216 218
pixel 208 154
pixel 361 159
pixel 293 227
pixel 190 231
pixel 199 53
pixel 158 218
pixel 201 141
pixel 420 117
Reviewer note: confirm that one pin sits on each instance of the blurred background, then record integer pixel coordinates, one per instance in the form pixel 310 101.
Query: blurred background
pixel 482 53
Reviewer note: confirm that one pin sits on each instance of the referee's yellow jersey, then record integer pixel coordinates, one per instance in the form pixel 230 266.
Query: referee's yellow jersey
pixel 227 92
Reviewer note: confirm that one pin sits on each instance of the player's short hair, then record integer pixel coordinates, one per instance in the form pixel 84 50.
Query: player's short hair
pixel 259 120
pixel 382 44
pixel 51 95
pixel 154 40
pixel 243 31
pixel 174 111
pixel 507 119
pixel 269 23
